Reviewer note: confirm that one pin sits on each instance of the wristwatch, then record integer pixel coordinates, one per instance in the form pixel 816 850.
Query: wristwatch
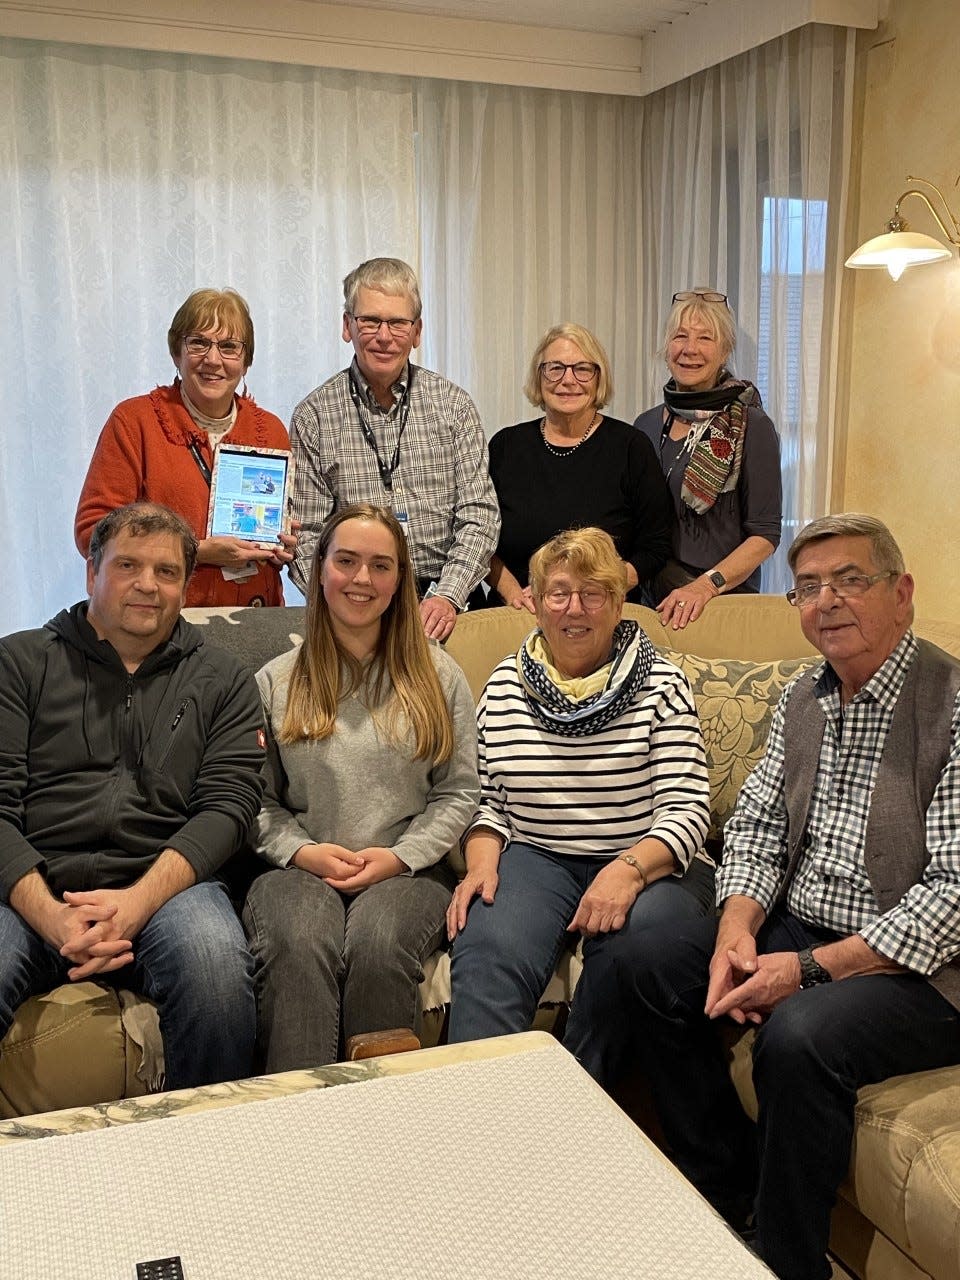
pixel 717 578
pixel 811 973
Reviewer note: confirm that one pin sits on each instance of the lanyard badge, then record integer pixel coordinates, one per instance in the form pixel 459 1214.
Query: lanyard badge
pixel 385 469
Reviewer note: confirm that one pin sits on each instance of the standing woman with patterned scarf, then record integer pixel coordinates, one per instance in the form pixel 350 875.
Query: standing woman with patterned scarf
pixel 720 454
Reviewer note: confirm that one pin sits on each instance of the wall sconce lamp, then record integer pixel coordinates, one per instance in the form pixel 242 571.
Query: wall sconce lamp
pixel 900 247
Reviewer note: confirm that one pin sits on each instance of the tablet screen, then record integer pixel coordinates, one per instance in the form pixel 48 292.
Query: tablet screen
pixel 248 493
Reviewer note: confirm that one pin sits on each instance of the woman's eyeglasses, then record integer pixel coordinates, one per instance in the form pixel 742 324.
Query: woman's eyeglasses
pixel 704 295
pixel 229 348
pixel 555 371
pixel 591 598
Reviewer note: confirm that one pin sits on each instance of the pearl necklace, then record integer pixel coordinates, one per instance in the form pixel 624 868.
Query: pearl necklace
pixel 566 450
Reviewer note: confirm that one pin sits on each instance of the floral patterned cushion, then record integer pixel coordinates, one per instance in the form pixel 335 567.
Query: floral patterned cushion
pixel 736 701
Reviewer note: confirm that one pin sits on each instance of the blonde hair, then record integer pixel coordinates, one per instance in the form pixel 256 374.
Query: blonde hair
pixel 589 553
pixel 592 350
pixel 402 658
pixel 212 309
pixel 714 316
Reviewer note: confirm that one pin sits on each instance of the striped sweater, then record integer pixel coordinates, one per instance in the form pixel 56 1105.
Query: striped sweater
pixel 643 774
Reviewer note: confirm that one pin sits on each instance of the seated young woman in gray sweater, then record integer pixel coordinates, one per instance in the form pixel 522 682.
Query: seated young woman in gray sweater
pixel 371 779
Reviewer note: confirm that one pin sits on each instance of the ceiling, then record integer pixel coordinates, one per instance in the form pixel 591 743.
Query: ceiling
pixel 631 47
pixel 607 17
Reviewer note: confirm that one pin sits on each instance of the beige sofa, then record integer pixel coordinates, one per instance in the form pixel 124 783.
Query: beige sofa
pixel 898 1217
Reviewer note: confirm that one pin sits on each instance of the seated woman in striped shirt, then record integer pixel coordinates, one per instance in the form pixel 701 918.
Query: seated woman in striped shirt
pixel 594 807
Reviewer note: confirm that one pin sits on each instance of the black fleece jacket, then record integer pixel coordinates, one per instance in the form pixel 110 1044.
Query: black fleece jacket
pixel 101 770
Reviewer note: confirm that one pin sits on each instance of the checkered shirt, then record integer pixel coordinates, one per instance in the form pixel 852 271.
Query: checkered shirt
pixel 441 482
pixel 830 886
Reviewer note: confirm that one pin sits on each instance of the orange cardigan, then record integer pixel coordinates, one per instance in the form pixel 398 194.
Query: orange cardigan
pixel 144 452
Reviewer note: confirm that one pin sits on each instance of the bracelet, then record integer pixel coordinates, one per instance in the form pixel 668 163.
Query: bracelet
pixel 631 861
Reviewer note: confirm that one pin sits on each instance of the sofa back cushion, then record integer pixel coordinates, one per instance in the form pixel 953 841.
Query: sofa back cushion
pixel 252 635
pixel 735 701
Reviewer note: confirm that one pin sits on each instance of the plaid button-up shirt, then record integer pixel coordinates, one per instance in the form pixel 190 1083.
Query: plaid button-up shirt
pixel 830 886
pixel 441 486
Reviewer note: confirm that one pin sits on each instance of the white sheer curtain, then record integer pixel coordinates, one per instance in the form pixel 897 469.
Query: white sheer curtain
pixel 530 203
pixel 743 169
pixel 128 179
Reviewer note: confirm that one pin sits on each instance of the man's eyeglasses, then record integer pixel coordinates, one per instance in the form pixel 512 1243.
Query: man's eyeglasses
pixel 399 326
pixel 555 370
pixel 591 598
pixel 229 348
pixel 843 585
pixel 705 295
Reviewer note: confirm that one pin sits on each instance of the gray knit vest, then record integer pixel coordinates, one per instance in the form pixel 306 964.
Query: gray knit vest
pixel 914 756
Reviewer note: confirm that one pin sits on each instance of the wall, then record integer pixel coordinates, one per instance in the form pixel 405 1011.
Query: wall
pixel 900 458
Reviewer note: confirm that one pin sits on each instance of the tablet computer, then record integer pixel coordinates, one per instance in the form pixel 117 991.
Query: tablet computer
pixel 249 492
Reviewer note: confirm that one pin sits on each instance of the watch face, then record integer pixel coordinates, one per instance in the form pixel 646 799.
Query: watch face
pixel 717 579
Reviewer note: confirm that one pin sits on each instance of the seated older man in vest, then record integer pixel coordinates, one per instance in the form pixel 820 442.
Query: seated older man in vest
pixel 840 920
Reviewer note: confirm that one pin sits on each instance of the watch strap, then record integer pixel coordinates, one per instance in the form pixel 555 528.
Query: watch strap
pixel 812 974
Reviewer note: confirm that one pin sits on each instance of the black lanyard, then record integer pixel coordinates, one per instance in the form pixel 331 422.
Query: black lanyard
pixel 386 472
pixel 201 461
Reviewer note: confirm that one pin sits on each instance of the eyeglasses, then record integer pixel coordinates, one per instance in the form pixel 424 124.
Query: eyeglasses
pixel 591 598
pixel 399 326
pixel 843 585
pixel 555 370
pixel 705 295
pixel 229 348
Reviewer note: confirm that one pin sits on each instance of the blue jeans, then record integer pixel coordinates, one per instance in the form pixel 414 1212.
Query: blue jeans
pixel 503 959
pixel 810 1057
pixel 190 959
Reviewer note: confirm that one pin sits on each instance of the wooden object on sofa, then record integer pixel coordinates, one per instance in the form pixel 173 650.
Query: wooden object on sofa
pixel 375 1044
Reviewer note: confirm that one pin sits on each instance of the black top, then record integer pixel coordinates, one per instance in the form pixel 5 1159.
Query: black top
pixel 612 480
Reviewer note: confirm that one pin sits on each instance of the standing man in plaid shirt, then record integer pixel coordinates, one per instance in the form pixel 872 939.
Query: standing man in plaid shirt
pixel 840 923
pixel 388 432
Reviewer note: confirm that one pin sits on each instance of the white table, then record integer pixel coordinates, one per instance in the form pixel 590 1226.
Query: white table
pixel 510 1166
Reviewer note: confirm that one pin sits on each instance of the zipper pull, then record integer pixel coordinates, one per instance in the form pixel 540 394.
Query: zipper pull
pixel 179 716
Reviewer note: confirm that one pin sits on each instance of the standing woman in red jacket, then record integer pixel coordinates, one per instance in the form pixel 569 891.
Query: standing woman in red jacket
pixel 159 447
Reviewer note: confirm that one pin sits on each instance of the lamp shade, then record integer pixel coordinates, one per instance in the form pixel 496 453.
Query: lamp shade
pixel 897 250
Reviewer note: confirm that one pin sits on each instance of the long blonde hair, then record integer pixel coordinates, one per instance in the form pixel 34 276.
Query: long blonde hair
pixel 324 672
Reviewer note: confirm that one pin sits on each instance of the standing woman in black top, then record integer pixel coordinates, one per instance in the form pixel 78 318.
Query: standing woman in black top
pixel 574 467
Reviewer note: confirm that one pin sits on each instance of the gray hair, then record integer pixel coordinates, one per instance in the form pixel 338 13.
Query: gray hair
pixel 715 316
pixel 385 275
pixel 851 524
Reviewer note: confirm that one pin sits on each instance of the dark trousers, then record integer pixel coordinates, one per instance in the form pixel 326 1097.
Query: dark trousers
pixel 810 1057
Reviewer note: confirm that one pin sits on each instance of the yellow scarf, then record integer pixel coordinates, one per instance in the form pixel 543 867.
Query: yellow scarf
pixel 576 688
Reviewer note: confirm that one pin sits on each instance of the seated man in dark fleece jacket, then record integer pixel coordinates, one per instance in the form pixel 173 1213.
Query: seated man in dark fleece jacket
pixel 130 771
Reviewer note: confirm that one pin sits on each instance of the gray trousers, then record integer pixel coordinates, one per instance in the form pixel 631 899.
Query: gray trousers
pixel 331 966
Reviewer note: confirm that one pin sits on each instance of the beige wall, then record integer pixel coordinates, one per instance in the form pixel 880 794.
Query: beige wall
pixel 899 457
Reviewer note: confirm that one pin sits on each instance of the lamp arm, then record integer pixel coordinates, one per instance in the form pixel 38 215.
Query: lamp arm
pixel 954 235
